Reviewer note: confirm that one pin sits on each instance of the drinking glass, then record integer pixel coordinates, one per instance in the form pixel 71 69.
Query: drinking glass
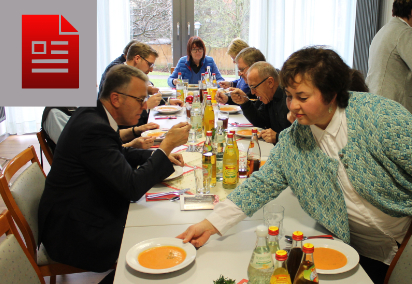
pixel 242 160
pixel 202 180
pixel 186 82
pixel 224 117
pixel 273 216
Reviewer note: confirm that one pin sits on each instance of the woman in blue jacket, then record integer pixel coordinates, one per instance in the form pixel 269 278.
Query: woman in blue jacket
pixel 194 64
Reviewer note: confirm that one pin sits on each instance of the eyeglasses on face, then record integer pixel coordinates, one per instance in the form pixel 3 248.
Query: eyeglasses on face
pixel 254 87
pixel 243 70
pixel 140 100
pixel 151 65
pixel 197 50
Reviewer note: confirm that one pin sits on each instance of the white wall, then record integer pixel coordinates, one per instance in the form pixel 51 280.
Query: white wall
pixel 386 12
pixel 3 128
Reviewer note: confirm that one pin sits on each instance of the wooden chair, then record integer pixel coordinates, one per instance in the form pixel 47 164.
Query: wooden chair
pixel 22 199
pixel 17 265
pixel 172 69
pixel 44 147
pixel 400 270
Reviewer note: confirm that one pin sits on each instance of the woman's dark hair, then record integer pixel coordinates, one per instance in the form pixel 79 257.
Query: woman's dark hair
pixel 358 83
pixel 198 42
pixel 402 8
pixel 324 68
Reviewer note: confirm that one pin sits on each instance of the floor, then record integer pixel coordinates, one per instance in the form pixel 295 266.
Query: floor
pixel 8 149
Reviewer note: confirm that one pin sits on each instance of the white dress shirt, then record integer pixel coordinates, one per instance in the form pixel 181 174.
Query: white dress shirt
pixel 373 233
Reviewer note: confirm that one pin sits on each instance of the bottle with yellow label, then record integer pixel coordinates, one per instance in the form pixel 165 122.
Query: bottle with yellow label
pixel 280 275
pixel 307 271
pixel 209 158
pixel 209 116
pixel 230 165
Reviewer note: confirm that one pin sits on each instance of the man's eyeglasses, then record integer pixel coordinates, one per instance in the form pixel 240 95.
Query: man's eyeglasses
pixel 243 70
pixel 197 50
pixel 140 100
pixel 254 87
pixel 151 65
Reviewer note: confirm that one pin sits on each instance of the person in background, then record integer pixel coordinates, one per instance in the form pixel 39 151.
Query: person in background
pixel 194 64
pixel 390 57
pixel 236 46
pixel 347 158
pixel 83 209
pixel 245 58
pixel 263 80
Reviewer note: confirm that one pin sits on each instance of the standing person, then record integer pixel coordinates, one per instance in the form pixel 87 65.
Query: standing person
pixel 83 209
pixel 390 57
pixel 236 46
pixel 347 158
pixel 194 64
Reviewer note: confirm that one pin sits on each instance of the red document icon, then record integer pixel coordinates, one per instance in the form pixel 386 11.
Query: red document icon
pixel 50 53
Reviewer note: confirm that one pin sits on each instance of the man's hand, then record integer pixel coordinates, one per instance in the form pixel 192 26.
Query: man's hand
pixel 225 84
pixel 141 143
pixel 269 135
pixel 291 117
pixel 154 101
pixel 238 96
pixel 198 234
pixel 145 127
pixel 176 102
pixel 152 90
pixel 176 136
pixel 221 98
pixel 177 159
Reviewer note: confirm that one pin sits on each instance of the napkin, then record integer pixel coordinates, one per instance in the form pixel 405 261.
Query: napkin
pixel 163 197
pixel 241 124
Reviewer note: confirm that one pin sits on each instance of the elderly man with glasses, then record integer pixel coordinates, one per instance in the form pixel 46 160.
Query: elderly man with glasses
pixel 263 80
pixel 83 209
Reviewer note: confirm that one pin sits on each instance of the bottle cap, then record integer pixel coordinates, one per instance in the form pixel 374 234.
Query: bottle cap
pixel 219 123
pixel 308 248
pixel 273 231
pixel 297 236
pixel 232 131
pixel 230 135
pixel 205 93
pixel 208 133
pixel 262 231
pixel 203 74
pixel 281 255
pixel 254 130
pixel 180 73
pixel 209 98
pixel 213 73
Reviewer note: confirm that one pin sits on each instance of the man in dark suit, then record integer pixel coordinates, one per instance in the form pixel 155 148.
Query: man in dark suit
pixel 83 209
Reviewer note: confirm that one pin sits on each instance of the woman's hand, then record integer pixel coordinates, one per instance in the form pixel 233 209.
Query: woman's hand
pixel 175 81
pixel 198 234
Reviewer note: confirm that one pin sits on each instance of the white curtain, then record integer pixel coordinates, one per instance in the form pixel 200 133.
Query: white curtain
pixel 113 31
pixel 22 120
pixel 280 27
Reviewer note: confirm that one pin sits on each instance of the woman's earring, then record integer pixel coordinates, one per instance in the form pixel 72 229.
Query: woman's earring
pixel 330 109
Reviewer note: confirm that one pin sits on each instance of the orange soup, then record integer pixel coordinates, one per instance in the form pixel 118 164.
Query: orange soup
pixel 155 134
pixel 166 109
pixel 228 108
pixel 161 257
pixel 328 259
pixel 246 132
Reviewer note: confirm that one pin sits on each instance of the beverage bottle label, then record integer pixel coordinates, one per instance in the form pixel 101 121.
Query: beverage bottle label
pixel 280 279
pixel 310 274
pixel 230 174
pixel 261 261
pixel 219 166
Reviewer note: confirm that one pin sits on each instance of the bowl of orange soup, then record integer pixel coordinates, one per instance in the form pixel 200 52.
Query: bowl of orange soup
pixel 158 134
pixel 167 109
pixel 229 108
pixel 333 256
pixel 160 255
pixel 247 132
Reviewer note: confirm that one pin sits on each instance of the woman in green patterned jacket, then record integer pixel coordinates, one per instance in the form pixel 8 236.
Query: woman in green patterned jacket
pixel 347 158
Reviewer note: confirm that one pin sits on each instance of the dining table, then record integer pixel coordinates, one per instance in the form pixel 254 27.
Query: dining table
pixel 226 255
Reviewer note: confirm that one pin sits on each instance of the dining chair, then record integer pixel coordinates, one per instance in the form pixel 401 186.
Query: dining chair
pixel 44 147
pixel 22 199
pixel 172 69
pixel 400 270
pixel 17 266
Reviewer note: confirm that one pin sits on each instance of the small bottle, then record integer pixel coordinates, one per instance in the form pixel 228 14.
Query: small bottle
pixel 273 240
pixel 214 82
pixel 220 149
pixel 202 87
pixel 280 275
pixel 261 264
pixel 295 254
pixel 196 116
pixel 253 154
pixel 230 165
pixel 180 93
pixel 208 74
pixel 307 271
pixel 213 88
pixel 209 158
pixel 209 116
pixel 237 154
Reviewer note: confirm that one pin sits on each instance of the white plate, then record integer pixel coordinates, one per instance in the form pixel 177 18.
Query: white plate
pixel 350 253
pixel 146 133
pixel 166 93
pixel 250 128
pixel 167 109
pixel 177 173
pixel 132 254
pixel 193 87
pixel 235 109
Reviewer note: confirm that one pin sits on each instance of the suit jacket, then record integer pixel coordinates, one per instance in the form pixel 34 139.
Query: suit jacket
pixel 84 206
pixel 272 115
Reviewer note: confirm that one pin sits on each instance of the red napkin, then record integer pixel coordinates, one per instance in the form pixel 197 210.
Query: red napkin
pixel 155 146
pixel 241 125
pixel 163 197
